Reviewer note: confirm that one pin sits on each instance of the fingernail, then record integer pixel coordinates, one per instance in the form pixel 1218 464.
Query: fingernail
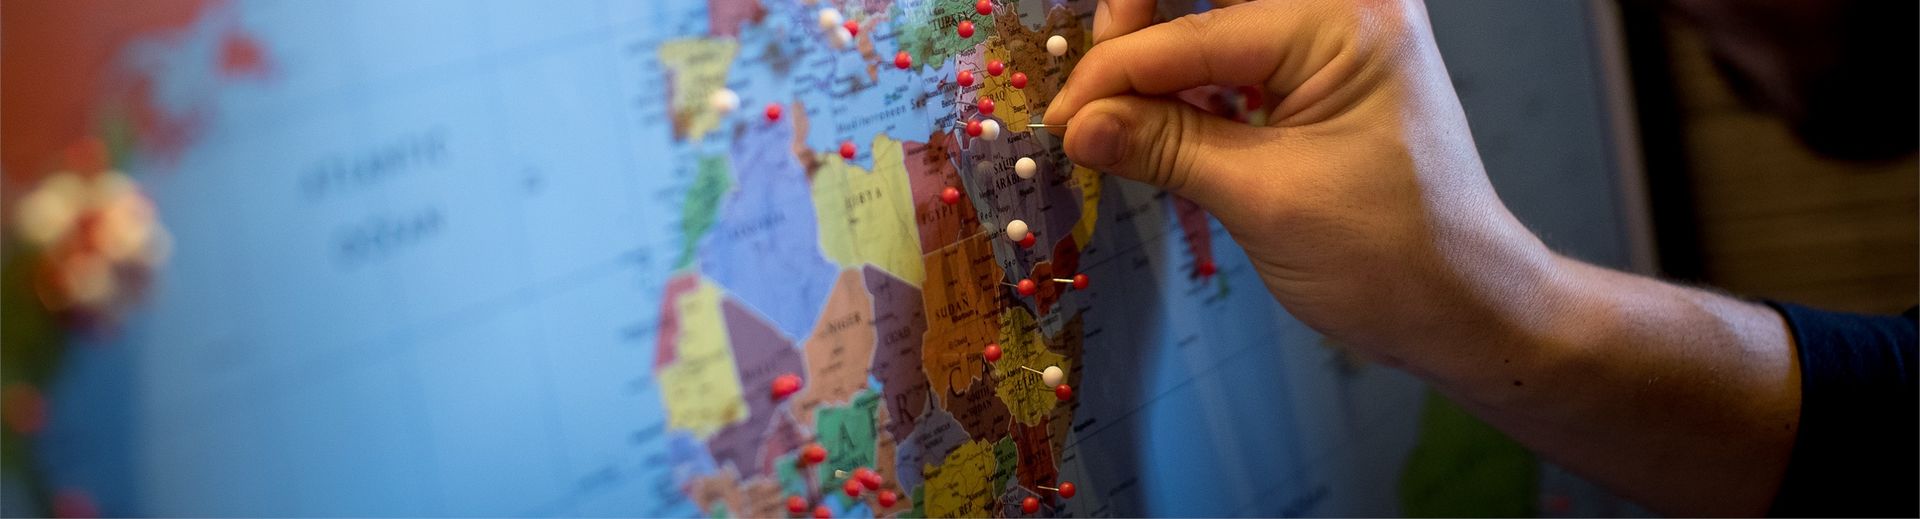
pixel 1102 140
pixel 1101 17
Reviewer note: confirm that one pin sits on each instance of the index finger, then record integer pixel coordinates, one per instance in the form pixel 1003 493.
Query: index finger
pixel 1113 18
pixel 1217 47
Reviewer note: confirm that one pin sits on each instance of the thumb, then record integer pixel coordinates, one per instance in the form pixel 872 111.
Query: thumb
pixel 1168 144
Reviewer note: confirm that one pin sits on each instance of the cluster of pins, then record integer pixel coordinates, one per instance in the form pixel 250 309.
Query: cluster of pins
pixel 1052 376
pixel 93 233
pixel 1031 504
pixel 862 481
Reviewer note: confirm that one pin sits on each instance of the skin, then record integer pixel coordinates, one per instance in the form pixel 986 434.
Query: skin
pixel 1367 213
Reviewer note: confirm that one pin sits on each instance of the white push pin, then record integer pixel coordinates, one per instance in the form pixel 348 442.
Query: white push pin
pixel 1017 230
pixel 1025 167
pixel 841 37
pixel 989 129
pixel 1052 375
pixel 830 19
pixel 1057 45
pixel 724 101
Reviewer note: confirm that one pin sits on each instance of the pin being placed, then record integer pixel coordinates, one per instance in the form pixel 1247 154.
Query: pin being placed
pixel 1057 45
pixel 1079 281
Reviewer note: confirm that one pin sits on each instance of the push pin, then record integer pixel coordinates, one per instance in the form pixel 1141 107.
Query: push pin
pixel 887 498
pixel 796 505
pixel 1079 281
pixel 1052 375
pixel 1019 80
pixel 785 386
pixel 1030 504
pixel 841 37
pixel 950 195
pixel 995 67
pixel 867 478
pixel 773 112
pixel 1065 490
pixel 902 60
pixel 984 105
pixel 1025 168
pixel 964 78
pixel 1027 242
pixel 1206 269
pixel 847 150
pixel 974 128
pixel 830 18
pixel 991 352
pixel 984 7
pixel 852 488
pixel 1026 287
pixel 821 512
pixel 1017 230
pixel 724 101
pixel 989 129
pixel 812 454
pixel 965 30
pixel 853 29
pixel 1057 45
pixel 1063 392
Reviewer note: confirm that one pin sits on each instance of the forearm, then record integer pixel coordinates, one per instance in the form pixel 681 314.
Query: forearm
pixel 1665 394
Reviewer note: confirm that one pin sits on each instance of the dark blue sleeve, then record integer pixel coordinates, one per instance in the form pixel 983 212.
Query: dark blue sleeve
pixel 1856 453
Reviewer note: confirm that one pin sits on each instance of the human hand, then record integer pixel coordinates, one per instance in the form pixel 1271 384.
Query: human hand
pixel 1362 203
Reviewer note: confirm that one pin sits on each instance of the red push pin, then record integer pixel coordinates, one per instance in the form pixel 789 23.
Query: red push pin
pixel 992 352
pixel 1030 504
pixel 995 67
pixel 785 386
pixel 796 505
pixel 983 6
pixel 813 453
pixel 1206 268
pixel 887 498
pixel 965 29
pixel 903 60
pixel 867 478
pixel 1079 281
pixel 847 150
pixel 1063 392
pixel 964 78
pixel 852 488
pixel 1027 242
pixel 950 195
pixel 974 128
pixel 773 112
pixel 853 28
pixel 821 512
pixel 1065 490
pixel 984 105
pixel 1019 79
pixel 1027 287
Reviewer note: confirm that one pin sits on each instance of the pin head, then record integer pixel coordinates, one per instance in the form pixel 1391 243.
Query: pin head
pixel 829 18
pixel 902 60
pixel 1063 392
pixel 1025 167
pixel 887 498
pixel 1030 504
pixel 992 352
pixel 867 478
pixel 841 37
pixel 852 488
pixel 853 29
pixel 1053 376
pixel 1066 489
pixel 1027 242
pixel 813 453
pixel 723 101
pixel 950 195
pixel 983 6
pixel 1057 45
pixel 1206 268
pixel 989 129
pixel 821 512
pixel 995 67
pixel 797 505
pixel 1080 281
pixel 1027 287
pixel 984 105
pixel 847 150
pixel 773 112
pixel 1016 230
pixel 964 78
pixel 974 128
pixel 965 30
pixel 1019 80
pixel 785 385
